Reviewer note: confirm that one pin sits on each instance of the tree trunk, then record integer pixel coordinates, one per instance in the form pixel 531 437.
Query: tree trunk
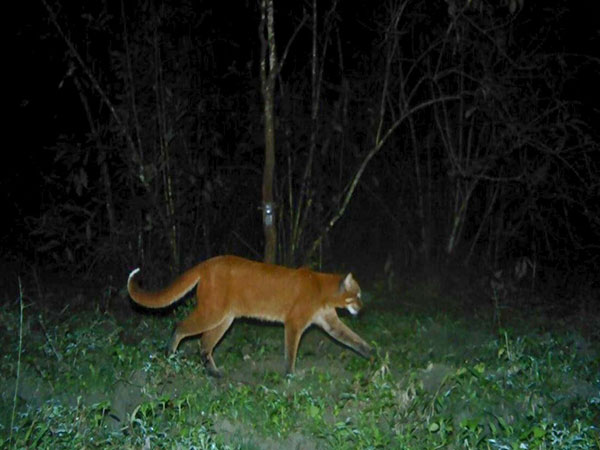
pixel 268 72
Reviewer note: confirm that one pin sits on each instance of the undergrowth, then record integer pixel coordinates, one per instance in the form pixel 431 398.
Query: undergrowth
pixel 94 379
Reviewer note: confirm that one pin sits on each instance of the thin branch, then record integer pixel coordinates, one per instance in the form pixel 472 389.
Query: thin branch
pixel 88 72
pixel 349 191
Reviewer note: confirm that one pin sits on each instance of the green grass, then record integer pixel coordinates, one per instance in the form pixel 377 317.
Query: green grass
pixel 98 380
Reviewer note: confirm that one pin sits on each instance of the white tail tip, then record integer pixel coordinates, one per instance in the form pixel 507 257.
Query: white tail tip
pixel 132 274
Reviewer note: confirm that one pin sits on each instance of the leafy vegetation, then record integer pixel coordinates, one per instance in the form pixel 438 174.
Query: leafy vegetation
pixel 466 130
pixel 94 379
pixel 411 138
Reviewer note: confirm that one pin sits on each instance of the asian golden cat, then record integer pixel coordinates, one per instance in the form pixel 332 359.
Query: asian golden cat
pixel 230 287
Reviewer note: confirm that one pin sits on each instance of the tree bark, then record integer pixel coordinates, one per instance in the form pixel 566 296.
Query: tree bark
pixel 268 72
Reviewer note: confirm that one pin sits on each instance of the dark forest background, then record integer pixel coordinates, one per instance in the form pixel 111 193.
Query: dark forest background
pixel 435 136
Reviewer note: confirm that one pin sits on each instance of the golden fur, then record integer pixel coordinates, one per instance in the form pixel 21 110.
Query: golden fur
pixel 229 287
